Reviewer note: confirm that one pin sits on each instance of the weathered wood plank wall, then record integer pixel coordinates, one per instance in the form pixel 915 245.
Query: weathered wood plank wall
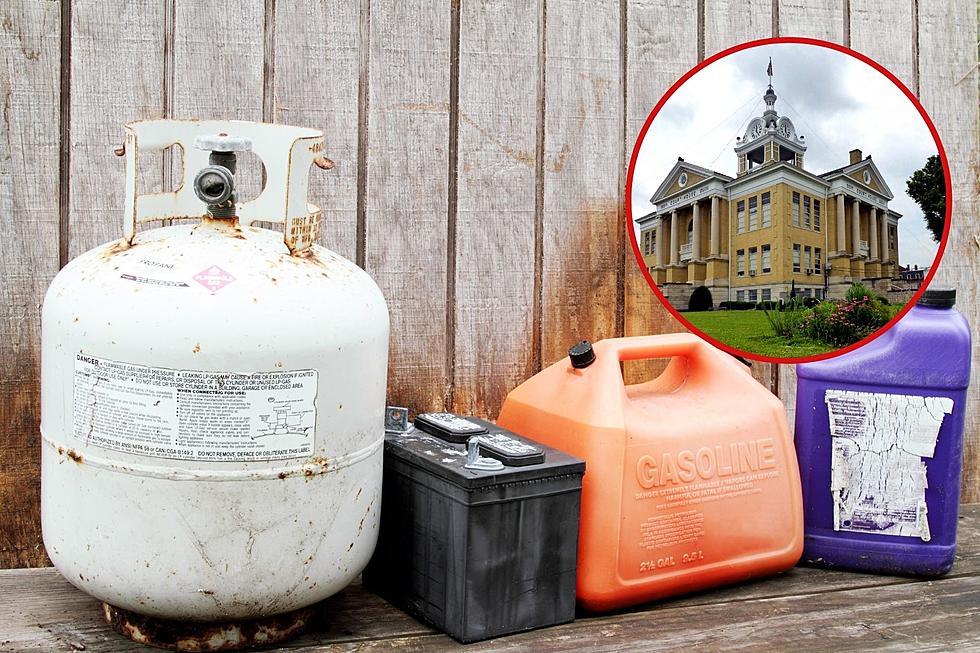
pixel 32 205
pixel 481 151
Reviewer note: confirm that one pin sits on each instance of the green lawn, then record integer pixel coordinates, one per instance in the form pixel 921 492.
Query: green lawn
pixel 749 331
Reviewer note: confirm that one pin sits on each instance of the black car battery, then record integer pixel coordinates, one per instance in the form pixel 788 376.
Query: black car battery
pixel 479 528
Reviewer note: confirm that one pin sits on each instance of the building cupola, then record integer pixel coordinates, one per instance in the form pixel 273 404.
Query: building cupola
pixel 769 138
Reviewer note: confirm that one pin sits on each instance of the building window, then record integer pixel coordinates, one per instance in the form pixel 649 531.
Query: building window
pixel 649 242
pixel 893 238
pixel 753 260
pixel 807 254
pixel 766 211
pixel 796 209
pixel 816 215
pixel 766 259
pixel 753 214
pixel 806 211
pixel 816 260
pixel 818 293
pixel 740 295
pixel 740 261
pixel 753 295
pixel 741 216
pixel 766 294
pixel 796 258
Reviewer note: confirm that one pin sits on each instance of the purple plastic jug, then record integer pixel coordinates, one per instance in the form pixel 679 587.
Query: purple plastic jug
pixel 879 435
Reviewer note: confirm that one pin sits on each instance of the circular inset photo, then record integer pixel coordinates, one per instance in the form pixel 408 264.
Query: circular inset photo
pixel 788 199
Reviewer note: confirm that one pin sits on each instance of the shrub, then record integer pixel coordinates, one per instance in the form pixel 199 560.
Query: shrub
pixel 700 300
pixel 736 306
pixel 767 305
pixel 810 302
pixel 860 291
pixel 785 323
pixel 794 303
pixel 845 322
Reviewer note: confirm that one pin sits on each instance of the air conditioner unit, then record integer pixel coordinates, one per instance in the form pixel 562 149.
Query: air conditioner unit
pixel 751 273
pixel 809 271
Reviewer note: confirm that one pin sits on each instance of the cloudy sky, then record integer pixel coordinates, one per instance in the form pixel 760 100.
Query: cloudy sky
pixel 836 101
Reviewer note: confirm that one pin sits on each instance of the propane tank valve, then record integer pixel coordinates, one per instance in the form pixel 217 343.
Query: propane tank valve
pixel 215 184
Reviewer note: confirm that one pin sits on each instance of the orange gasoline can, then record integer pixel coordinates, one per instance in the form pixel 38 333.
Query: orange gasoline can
pixel 691 479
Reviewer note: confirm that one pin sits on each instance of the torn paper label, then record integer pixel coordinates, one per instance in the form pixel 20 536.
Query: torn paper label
pixel 878 475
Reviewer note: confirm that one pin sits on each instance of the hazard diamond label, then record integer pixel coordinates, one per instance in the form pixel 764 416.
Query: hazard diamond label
pixel 213 278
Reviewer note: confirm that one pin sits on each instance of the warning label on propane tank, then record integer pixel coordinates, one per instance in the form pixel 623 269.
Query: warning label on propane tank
pixel 193 414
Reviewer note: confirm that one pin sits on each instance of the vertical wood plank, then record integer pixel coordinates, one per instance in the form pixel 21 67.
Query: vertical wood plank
pixel 218 59
pixel 655 59
pixel 884 30
pixel 30 85
pixel 407 204
pixel 315 82
pixel 727 22
pixel 867 19
pixel 819 19
pixel 116 77
pixel 583 173
pixel 948 90
pixel 498 111
pixel 823 19
pixel 218 71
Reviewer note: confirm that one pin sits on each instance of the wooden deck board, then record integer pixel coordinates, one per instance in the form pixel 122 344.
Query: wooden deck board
pixel 819 609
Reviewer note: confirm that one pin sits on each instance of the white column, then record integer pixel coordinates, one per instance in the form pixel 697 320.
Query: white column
pixel 696 236
pixel 674 228
pixel 661 246
pixel 856 227
pixel 873 234
pixel 885 252
pixel 715 226
pixel 841 232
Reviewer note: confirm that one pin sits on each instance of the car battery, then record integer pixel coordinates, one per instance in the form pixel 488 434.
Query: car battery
pixel 479 528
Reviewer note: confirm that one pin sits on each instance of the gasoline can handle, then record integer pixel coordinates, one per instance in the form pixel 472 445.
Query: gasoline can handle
pixel 660 346
pixel 287 153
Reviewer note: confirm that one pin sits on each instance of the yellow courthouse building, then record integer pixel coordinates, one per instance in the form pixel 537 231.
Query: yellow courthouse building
pixel 774 227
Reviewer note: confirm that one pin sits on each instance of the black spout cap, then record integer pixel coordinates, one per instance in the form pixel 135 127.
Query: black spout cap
pixel 581 354
pixel 939 297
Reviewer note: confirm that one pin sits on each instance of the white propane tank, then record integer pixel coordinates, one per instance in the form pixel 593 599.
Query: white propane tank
pixel 212 401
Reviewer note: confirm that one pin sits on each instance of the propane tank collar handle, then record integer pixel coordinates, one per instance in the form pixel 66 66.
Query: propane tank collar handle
pixel 286 152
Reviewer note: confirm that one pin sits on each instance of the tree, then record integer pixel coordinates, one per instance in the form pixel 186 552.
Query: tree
pixel 927 186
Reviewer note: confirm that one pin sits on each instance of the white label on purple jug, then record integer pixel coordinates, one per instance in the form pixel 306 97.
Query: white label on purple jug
pixel 878 476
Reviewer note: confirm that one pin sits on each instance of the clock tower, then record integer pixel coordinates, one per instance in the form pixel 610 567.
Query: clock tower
pixel 769 139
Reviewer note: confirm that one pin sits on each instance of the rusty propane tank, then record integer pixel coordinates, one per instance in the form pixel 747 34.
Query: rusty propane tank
pixel 213 401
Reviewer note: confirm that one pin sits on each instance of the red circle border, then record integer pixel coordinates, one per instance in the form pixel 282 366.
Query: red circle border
pixel 803 41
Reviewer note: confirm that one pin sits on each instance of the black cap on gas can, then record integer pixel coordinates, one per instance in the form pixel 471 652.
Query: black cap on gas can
pixel 581 354
pixel 938 297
